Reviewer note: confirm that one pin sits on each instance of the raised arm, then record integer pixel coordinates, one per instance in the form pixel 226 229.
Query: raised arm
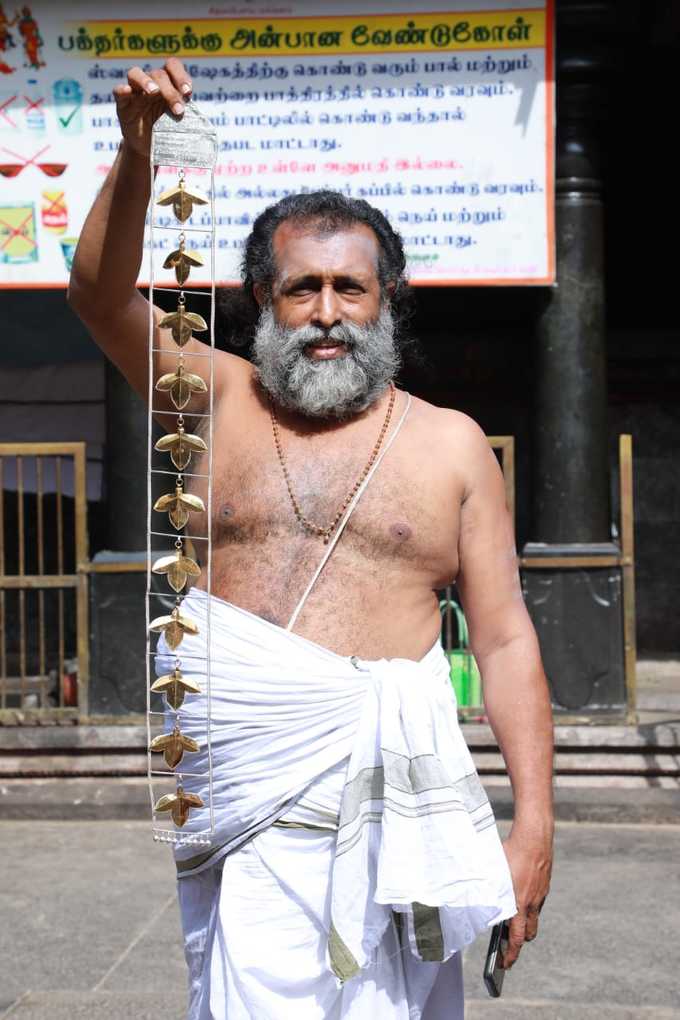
pixel 516 697
pixel 102 288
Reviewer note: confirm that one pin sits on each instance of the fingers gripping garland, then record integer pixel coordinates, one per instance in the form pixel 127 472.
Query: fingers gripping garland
pixel 189 142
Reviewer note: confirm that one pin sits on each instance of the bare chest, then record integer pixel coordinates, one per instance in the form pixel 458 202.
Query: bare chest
pixel 406 519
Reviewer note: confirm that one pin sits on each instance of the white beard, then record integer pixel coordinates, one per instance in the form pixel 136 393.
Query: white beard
pixel 332 388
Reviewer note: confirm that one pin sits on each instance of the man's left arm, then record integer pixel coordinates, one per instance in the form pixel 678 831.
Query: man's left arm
pixel 516 696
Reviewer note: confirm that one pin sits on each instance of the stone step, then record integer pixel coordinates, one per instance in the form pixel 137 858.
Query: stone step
pixel 658 684
pixel 587 762
pixel 619 799
pixel 49 739
pixel 488 763
pixel 74 765
pixel 82 751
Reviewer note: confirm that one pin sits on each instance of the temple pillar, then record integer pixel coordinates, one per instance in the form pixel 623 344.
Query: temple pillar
pixel 571 578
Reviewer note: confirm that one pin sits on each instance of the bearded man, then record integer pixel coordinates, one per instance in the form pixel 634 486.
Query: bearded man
pixel 355 853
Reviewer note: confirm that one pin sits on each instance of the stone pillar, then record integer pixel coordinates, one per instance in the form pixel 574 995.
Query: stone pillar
pixel 126 464
pixel 570 456
pixel 571 580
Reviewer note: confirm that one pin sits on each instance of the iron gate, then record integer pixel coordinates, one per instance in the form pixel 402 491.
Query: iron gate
pixel 44 656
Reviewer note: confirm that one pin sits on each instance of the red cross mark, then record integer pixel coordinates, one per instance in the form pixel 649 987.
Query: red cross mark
pixel 21 232
pixel 13 169
pixel 33 104
pixel 26 162
pixel 3 111
pixel 56 206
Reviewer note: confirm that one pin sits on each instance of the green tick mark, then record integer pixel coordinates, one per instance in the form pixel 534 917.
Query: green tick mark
pixel 65 121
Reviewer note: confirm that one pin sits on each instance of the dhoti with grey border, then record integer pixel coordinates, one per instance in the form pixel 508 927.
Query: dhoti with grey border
pixel 356 852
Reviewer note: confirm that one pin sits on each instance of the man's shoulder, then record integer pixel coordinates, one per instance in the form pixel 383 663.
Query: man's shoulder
pixel 450 426
pixel 231 358
pixel 230 367
pixel 458 442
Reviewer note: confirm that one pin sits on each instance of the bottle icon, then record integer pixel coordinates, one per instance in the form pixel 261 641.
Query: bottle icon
pixel 34 111
pixel 68 106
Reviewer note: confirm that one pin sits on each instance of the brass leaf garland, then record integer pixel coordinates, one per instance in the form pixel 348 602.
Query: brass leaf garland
pixel 182 199
pixel 183 386
pixel 180 445
pixel 173 627
pixel 173 745
pixel 182 324
pixel 180 385
pixel 178 804
pixel 183 260
pixel 178 569
pixel 175 686
pixel 179 504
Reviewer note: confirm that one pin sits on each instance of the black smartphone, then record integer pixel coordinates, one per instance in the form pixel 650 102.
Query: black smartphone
pixel 493 969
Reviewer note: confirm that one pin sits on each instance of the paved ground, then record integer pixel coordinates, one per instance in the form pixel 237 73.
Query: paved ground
pixel 89 928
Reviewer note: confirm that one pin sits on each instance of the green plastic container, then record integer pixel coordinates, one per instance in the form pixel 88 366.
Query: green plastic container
pixel 465 676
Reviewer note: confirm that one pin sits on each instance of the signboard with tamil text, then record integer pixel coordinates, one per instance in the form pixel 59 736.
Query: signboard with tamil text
pixel 443 119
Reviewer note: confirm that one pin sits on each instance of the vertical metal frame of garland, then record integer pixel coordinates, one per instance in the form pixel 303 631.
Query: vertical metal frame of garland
pixel 183 144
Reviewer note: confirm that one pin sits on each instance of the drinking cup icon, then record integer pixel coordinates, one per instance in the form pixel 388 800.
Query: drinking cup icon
pixel 68 250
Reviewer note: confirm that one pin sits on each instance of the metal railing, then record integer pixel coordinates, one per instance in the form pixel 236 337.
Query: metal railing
pixel 44 652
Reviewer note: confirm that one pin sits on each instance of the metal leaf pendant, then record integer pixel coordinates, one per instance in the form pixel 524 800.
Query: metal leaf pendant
pixel 178 804
pixel 179 504
pixel 180 385
pixel 182 324
pixel 178 568
pixel 182 200
pixel 180 445
pixel 174 686
pixel 173 745
pixel 183 260
pixel 173 627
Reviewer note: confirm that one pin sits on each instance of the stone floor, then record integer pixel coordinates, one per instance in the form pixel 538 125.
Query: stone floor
pixel 89 927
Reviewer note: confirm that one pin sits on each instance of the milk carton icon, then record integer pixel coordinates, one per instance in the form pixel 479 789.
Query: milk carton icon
pixel 68 106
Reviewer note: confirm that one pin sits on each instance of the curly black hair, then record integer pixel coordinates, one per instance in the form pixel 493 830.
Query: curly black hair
pixel 328 212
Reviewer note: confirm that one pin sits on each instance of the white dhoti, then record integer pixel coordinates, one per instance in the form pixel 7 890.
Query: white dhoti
pixel 355 851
